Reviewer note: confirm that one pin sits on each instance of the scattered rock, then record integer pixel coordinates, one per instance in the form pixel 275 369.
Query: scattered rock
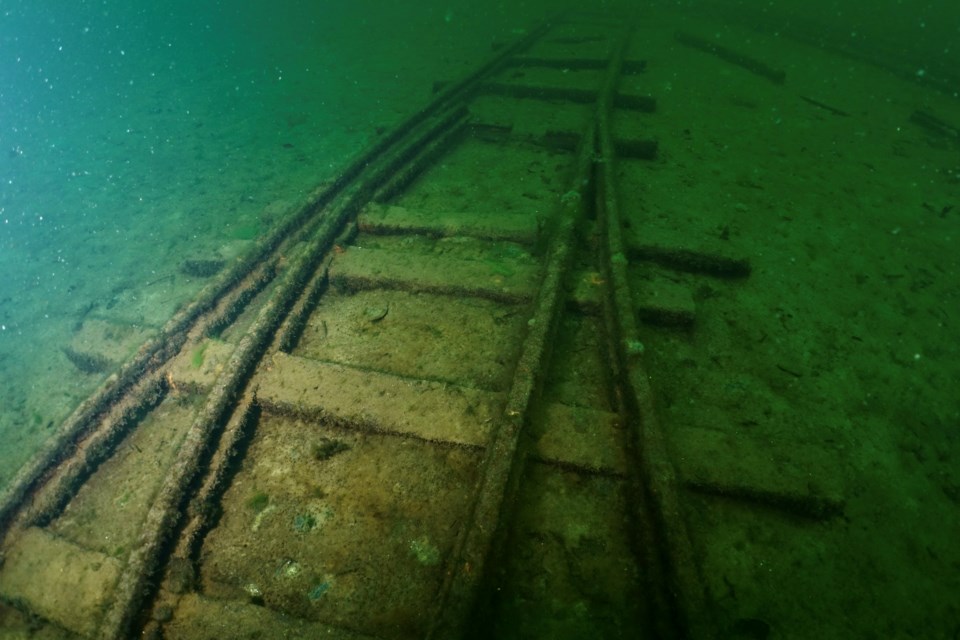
pixel 87 362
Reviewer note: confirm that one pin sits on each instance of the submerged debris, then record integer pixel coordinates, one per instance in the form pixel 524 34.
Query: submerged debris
pixel 201 268
pixel 376 313
pixel 318 590
pixel 256 594
pixel 288 568
pixel 261 515
pixel 87 362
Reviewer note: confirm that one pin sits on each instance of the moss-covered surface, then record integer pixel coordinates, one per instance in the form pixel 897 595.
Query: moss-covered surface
pixel 358 539
pixel 109 511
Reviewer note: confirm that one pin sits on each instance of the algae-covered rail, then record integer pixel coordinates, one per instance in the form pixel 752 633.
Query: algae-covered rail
pixel 418 411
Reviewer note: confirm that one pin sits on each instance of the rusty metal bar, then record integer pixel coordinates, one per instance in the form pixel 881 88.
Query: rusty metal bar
pixel 762 69
pixel 157 351
pixel 678 606
pixel 501 471
pixel 303 263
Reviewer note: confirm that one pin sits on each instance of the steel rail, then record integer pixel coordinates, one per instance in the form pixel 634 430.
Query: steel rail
pixel 501 468
pixel 158 350
pixel 679 604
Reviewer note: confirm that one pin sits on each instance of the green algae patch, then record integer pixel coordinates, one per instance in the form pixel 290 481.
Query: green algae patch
pixel 425 551
pixel 196 359
pixel 258 502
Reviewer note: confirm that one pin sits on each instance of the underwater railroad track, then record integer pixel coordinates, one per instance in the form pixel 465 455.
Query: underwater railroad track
pixel 418 410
